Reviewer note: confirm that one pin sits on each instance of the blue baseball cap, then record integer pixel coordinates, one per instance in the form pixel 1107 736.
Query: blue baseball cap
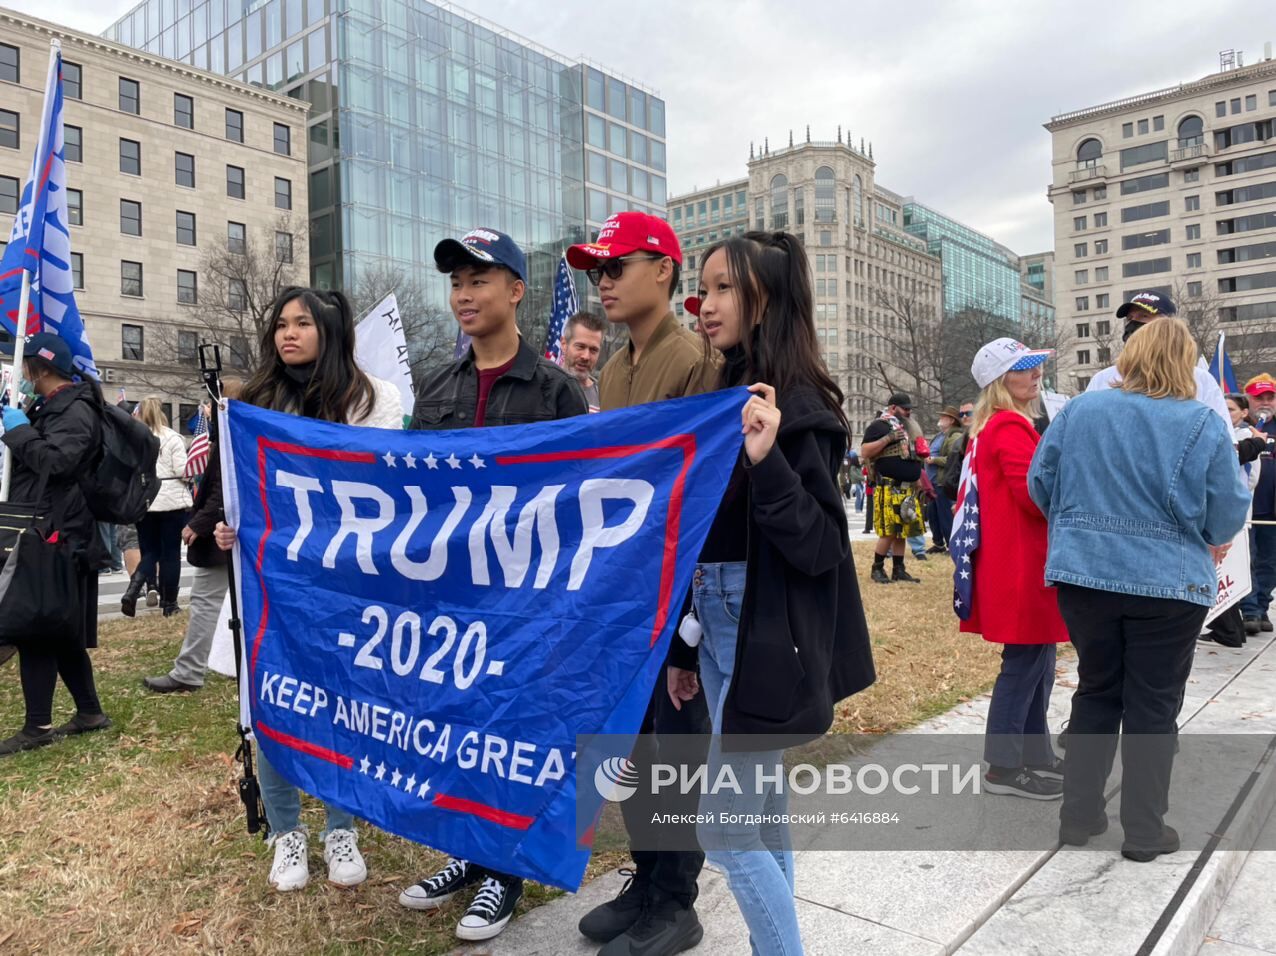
pixel 481 247
pixel 1146 305
pixel 52 348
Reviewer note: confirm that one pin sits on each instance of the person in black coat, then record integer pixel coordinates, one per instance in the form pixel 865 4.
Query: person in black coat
pixel 774 593
pixel 61 435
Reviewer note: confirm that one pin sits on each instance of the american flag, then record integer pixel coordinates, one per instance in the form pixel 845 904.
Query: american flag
pixel 121 395
pixel 965 536
pixel 564 308
pixel 197 454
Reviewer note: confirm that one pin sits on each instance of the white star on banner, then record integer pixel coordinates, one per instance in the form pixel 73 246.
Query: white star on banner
pixel 965 574
pixel 430 461
pixel 424 789
pixel 956 602
pixel 409 460
pixel 453 461
pixel 411 784
pixel 381 771
pixel 477 462
pixel 395 778
pixel 388 458
pixel 965 559
pixel 364 764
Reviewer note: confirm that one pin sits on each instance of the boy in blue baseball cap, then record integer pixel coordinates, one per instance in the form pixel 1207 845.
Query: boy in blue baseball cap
pixel 500 380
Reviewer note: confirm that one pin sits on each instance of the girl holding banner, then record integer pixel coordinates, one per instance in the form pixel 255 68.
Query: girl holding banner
pixel 307 367
pixel 775 592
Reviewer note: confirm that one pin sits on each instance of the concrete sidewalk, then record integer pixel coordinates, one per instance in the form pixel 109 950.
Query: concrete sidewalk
pixel 1019 903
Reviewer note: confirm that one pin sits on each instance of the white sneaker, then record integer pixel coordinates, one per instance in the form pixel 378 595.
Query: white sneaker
pixel 291 869
pixel 345 862
pixel 152 597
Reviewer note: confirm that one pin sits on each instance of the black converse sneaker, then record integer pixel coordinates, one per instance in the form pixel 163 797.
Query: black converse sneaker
pixel 1021 782
pixel 492 908
pixel 434 891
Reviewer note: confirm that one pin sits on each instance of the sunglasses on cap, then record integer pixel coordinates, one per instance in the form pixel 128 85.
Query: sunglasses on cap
pixel 613 268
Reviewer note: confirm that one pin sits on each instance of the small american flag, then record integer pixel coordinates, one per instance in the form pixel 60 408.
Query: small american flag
pixel 965 536
pixel 197 454
pixel 121 395
pixel 564 308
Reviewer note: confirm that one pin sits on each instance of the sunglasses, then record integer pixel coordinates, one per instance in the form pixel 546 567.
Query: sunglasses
pixel 613 268
pixel 964 414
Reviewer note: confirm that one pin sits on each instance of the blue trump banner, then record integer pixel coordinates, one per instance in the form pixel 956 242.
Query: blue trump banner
pixel 431 618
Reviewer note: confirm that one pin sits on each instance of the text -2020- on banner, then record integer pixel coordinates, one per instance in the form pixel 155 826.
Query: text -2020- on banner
pixel 431 618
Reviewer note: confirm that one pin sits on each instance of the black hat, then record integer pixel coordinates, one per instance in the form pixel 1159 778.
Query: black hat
pixel 1146 305
pixel 52 348
pixel 901 399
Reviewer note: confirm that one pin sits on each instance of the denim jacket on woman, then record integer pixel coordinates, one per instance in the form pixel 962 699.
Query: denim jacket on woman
pixel 1134 489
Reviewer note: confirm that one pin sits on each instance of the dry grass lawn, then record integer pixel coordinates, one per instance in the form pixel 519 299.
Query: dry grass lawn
pixel 132 841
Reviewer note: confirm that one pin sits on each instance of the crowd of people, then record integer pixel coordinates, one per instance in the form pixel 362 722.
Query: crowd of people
pixel 1020 503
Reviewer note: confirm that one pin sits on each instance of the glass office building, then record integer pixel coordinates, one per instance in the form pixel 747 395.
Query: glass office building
pixel 426 123
pixel 979 273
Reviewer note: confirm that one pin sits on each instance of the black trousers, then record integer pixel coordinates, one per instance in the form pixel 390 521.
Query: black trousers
pixel 40 669
pixel 159 535
pixel 1134 658
pixel 669 736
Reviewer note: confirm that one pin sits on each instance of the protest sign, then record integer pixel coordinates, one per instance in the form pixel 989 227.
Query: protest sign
pixel 381 349
pixel 1233 576
pixel 431 618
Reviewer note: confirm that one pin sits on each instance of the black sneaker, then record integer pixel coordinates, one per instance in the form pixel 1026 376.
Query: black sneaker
pixel 491 910
pixel 899 574
pixel 83 724
pixel 937 549
pixel 1265 625
pixel 434 891
pixel 26 740
pixel 1021 782
pixel 1253 625
pixel 1074 834
pixel 1168 843
pixel 604 923
pixel 920 556
pixel 664 929
pixel 1050 771
pixel 878 575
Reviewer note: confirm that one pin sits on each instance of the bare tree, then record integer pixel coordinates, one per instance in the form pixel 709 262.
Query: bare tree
pixel 906 351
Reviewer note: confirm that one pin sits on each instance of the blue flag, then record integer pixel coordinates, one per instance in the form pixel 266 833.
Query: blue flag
pixel 1221 368
pixel 431 618
pixel 965 535
pixel 564 308
pixel 40 240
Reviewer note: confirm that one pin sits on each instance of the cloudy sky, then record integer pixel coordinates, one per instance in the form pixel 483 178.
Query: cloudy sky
pixel 952 93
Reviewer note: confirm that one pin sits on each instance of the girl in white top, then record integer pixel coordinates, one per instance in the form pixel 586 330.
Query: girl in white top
pixel 159 534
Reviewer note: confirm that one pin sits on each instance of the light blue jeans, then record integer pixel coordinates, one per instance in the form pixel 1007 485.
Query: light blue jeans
pixel 758 861
pixel 283 803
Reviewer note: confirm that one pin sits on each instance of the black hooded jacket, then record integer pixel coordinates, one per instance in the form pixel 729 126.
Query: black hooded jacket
pixel 803 642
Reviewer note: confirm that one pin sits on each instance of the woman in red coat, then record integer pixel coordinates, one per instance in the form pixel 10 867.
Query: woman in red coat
pixel 1010 603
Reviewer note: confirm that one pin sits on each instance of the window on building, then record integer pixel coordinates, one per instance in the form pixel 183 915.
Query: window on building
pixel 72 80
pixel 1149 210
pixel 1144 183
pixel 1127 130
pixel 10 64
pixel 77 270
pixel 1079 250
pixel 1100 247
pixel 236 238
pixel 187 294
pixel 1251 102
pixel 825 194
pixel 1158 123
pixel 1083 303
pixel 283 139
pixel 130 217
pixel 1089 153
pixel 1220 108
pixel 1081 276
pixel 187 351
pixel 1193 260
pixel 1100 192
pixel 1191 131
pixel 72 144
pixel 185 228
pixel 130 96
pixel 1104 326
pixel 1143 127
pixel 283 247
pixel 1148 153
pixel 1193 289
pixel 1083 330
pixel 183 111
pixel 1100 220
pixel 1236 104
pixel 1192 175
pixel 130 278
pixel 1104 355
pixel 1192 203
pixel 235 125
pixel 1145 267
pixel 283 193
pixel 235 182
pixel 1193 231
pixel 9 192
pixel 1101 274
pixel 1078 197
pixel 780 202
pixel 130 157
pixel 1083 356
pixel 184 169
pixel 1078 223
pixel 131 348
pixel 1140 240
pixel 237 295
pixel 10 129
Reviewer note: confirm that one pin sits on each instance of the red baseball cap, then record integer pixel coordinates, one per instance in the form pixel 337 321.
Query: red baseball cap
pixel 623 233
pixel 1260 384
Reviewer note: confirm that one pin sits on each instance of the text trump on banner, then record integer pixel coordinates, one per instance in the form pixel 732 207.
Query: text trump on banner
pixel 431 618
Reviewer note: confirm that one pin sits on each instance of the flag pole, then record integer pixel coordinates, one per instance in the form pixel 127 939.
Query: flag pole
pixel 24 300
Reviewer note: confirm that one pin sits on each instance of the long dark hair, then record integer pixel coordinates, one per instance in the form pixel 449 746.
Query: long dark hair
pixel 337 390
pixel 771 280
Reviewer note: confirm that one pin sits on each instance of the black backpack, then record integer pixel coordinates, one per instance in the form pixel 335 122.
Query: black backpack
pixel 123 482
pixel 950 477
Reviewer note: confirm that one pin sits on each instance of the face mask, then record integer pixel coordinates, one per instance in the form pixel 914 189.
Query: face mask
pixel 26 388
